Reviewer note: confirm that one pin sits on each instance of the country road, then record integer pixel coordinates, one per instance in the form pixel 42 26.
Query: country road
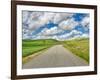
pixel 56 56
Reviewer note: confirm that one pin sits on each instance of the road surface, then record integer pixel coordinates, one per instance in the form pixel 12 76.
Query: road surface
pixel 56 56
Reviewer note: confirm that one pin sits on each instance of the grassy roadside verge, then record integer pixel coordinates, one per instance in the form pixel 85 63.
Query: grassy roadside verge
pixel 78 47
pixel 30 47
pixel 29 57
pixel 32 50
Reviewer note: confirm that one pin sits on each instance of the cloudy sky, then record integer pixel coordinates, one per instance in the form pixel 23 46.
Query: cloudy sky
pixel 54 25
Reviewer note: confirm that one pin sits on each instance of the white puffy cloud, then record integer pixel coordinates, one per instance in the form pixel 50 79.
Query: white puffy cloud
pixel 68 24
pixel 49 32
pixel 85 35
pixel 46 35
pixel 75 32
pixel 33 16
pixel 69 35
pixel 25 16
pixel 86 21
pixel 65 21
pixel 25 36
pixel 61 16
pixel 47 17
pixel 40 20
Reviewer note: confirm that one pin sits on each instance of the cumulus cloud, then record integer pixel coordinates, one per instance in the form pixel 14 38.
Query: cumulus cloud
pixel 66 36
pixel 68 24
pixel 69 35
pixel 46 37
pixel 50 32
pixel 85 35
pixel 61 16
pixel 25 16
pixel 35 21
pixel 25 36
pixel 85 22
pixel 47 32
pixel 32 21
pixel 38 19
pixel 74 34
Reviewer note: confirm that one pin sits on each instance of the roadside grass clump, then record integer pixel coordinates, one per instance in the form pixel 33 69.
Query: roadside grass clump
pixel 79 47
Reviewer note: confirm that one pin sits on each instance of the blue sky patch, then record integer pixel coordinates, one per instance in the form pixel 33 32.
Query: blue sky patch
pixel 79 16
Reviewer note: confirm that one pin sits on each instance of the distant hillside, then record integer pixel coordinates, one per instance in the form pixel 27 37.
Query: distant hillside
pixel 40 40
pixel 52 39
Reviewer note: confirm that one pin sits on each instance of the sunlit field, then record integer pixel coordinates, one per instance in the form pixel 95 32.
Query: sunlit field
pixel 79 47
pixel 33 46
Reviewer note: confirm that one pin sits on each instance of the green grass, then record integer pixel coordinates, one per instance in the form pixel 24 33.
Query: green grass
pixel 33 46
pixel 79 47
